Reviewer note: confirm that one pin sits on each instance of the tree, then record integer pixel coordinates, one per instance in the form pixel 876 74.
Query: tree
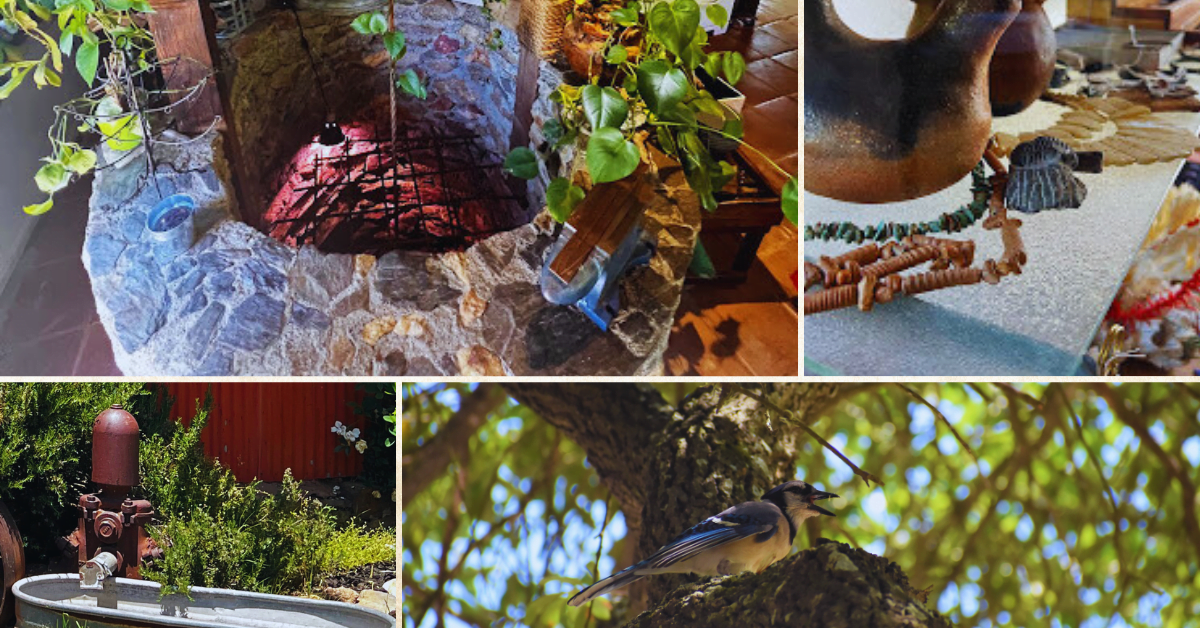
pixel 1060 503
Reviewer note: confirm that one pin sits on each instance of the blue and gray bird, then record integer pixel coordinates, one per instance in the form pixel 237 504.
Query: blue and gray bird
pixel 748 537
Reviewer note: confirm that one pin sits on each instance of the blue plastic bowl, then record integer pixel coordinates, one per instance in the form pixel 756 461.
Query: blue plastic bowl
pixel 166 215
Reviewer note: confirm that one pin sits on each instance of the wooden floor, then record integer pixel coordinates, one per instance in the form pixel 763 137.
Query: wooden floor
pixel 753 329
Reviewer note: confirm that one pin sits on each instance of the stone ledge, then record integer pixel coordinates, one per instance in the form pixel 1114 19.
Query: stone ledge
pixel 241 303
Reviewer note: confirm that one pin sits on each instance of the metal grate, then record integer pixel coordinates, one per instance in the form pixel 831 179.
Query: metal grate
pixel 429 191
pixel 233 17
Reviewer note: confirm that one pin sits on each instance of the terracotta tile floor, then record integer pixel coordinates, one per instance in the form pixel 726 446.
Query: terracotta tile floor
pixel 753 328
pixel 48 321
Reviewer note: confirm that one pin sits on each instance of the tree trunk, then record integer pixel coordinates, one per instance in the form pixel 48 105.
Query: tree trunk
pixel 671 469
pixel 831 585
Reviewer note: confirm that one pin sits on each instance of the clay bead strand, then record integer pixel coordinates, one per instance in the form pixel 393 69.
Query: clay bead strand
pixel 830 299
pixel 903 261
pixel 940 279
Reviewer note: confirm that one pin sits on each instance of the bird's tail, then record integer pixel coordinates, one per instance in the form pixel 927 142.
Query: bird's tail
pixel 615 581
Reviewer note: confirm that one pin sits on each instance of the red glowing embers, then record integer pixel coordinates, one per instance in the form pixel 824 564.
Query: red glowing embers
pixel 430 191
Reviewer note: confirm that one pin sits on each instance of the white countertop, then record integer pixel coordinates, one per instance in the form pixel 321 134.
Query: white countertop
pixel 1038 323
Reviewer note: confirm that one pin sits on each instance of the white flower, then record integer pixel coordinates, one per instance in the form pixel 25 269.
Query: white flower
pixel 361 446
pixel 355 432
pixel 338 428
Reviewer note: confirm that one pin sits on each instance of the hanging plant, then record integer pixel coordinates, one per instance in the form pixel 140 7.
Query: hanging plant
pixel 645 85
pixel 88 29
pixel 376 24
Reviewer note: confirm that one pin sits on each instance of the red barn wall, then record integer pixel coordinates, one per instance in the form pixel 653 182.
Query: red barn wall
pixel 260 429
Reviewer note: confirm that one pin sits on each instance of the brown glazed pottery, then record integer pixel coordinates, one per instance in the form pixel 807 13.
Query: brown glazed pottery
pixel 1023 63
pixel 893 120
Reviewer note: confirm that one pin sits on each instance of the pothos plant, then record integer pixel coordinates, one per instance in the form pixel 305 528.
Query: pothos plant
pixel 88 28
pixel 648 91
pixel 377 24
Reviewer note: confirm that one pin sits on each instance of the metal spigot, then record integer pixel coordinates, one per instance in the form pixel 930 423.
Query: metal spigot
pixel 95 571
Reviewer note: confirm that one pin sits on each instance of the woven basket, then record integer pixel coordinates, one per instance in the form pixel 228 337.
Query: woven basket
pixel 541 25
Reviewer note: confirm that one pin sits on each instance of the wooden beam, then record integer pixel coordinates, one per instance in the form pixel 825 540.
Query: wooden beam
pixel 180 33
pixel 602 220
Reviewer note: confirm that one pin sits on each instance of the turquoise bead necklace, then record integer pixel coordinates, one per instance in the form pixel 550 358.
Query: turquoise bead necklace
pixel 950 222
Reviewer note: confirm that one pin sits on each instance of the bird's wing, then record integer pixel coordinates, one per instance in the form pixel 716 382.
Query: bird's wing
pixel 737 523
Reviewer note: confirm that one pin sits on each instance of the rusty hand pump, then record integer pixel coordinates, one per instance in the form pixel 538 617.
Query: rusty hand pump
pixel 110 521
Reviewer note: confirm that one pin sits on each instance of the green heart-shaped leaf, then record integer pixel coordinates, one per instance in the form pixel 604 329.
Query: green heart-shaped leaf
pixel 791 200
pixel 52 177
pixel 412 85
pixel 610 156
pixel 617 54
pixel 87 59
pixel 521 163
pixel 603 106
pixel 40 208
pixel 396 44
pixel 661 85
pixel 561 198
pixel 625 16
pixel 370 24
pixel 675 23
pixel 81 161
pixel 735 67
pixel 717 14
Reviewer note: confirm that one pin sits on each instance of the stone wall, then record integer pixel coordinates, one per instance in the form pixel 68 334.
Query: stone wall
pixel 241 303
pixel 469 63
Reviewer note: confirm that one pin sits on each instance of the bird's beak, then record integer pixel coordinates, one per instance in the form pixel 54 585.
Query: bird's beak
pixel 821 495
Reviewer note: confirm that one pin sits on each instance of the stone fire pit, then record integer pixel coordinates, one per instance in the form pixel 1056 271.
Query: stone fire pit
pixel 240 302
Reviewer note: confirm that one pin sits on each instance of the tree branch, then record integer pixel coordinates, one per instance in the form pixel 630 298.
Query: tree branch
pixel 614 423
pixel 1138 425
pixel 789 418
pixel 938 414
pixel 452 442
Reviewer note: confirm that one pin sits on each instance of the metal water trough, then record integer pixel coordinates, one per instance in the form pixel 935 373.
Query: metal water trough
pixel 55 600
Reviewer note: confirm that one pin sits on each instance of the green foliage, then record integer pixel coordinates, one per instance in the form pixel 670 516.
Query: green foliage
pixel 521 163
pixel 1020 533
pixel 375 24
pixel 610 156
pixel 702 264
pixel 218 533
pixel 46 452
pixel 604 107
pixel 660 94
pixel 791 200
pixel 561 198
pixel 370 24
pixel 379 408
pixel 354 546
pixel 411 83
pixel 113 25
pixel 493 502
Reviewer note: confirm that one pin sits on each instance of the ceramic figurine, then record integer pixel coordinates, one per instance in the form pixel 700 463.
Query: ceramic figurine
pixel 892 120
pixel 1023 63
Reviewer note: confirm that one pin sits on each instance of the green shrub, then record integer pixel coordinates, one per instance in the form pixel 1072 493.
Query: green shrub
pixel 217 533
pixel 354 546
pixel 46 452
